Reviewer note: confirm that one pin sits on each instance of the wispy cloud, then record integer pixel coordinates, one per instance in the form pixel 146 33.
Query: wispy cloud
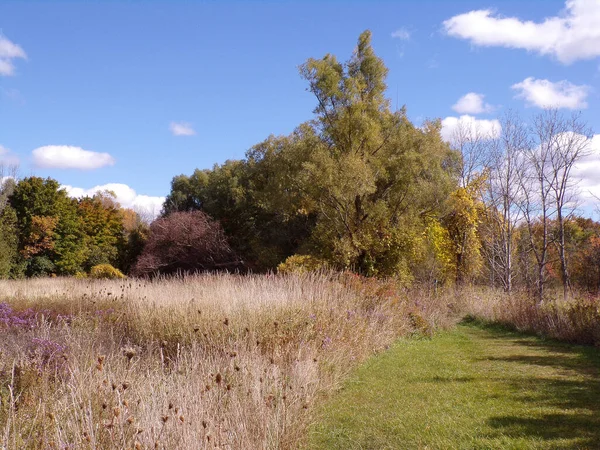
pixel 571 36
pixel 401 33
pixel 546 94
pixel 7 157
pixel 472 103
pixel 181 129
pixel 9 51
pixel 70 157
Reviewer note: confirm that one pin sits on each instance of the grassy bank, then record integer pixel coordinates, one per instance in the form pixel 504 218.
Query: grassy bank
pixel 468 388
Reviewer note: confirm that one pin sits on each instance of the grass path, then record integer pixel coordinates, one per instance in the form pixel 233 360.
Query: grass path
pixel 470 388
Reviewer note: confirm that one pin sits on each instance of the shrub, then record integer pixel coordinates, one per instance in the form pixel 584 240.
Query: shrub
pixel 185 242
pixel 105 271
pixel 301 264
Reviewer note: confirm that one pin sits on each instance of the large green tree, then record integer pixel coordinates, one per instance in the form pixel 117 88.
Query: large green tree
pixel 9 255
pixel 354 186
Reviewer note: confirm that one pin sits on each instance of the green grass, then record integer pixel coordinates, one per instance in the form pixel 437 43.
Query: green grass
pixel 471 388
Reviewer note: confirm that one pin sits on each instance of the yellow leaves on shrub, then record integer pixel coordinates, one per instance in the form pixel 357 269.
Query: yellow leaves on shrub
pixel 301 264
pixel 105 271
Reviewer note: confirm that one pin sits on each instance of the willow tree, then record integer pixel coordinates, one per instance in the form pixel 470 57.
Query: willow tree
pixel 371 175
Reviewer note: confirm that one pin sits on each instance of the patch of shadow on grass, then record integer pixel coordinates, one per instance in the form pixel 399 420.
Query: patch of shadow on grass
pixel 564 362
pixel 577 397
pixel 581 430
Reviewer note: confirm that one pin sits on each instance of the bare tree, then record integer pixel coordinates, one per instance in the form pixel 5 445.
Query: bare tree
pixel 185 242
pixel 568 140
pixel 472 143
pixel 549 191
pixel 504 195
pixel 536 205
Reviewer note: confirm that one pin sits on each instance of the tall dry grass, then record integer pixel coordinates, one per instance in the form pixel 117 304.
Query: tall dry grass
pixel 213 361
pixel 576 320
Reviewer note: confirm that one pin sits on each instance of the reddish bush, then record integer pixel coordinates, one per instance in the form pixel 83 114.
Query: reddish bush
pixel 185 242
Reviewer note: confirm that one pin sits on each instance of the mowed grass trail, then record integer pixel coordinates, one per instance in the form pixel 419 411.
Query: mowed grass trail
pixel 470 388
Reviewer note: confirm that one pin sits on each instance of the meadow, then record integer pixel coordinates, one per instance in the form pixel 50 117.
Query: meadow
pixel 219 361
pixel 209 361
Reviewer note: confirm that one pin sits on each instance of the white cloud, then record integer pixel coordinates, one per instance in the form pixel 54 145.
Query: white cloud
pixel 472 103
pixel 7 157
pixel 181 129
pixel 546 94
pixel 8 52
pixel 570 36
pixel 488 128
pixel 401 33
pixel 69 157
pixel 125 195
pixel 586 174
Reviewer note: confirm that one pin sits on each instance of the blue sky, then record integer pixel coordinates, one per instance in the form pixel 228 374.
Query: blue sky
pixel 156 89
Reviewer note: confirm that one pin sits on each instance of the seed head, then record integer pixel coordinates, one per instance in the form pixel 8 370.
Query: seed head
pixel 129 352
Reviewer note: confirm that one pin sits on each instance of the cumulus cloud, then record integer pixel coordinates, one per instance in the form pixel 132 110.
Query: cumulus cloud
pixel 126 196
pixel 401 33
pixel 571 36
pixel 181 129
pixel 488 128
pixel 472 103
pixel 70 157
pixel 546 94
pixel 9 51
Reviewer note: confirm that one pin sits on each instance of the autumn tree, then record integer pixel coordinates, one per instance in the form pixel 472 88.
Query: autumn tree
pixel 50 229
pixel 103 228
pixel 462 223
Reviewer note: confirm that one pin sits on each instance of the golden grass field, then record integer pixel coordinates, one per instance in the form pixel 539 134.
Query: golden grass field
pixel 210 361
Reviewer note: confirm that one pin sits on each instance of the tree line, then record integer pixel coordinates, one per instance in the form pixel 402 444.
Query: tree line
pixel 359 187
pixel 45 232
